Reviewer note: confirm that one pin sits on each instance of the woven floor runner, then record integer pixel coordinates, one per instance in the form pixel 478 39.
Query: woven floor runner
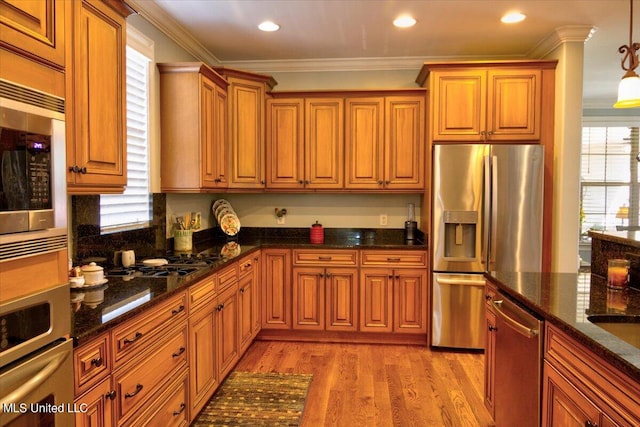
pixel 257 399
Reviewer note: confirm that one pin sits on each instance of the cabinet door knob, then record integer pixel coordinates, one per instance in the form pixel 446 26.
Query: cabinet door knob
pixel 492 328
pixel 590 424
pixel 110 395
pixel 242 290
pixel 97 361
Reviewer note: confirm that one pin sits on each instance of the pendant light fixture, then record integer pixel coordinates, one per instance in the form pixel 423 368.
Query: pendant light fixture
pixel 629 88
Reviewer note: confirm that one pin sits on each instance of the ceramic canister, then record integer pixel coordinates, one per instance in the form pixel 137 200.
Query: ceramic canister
pixel 316 235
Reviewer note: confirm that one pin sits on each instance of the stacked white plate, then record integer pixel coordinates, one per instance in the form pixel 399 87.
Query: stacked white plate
pixel 226 217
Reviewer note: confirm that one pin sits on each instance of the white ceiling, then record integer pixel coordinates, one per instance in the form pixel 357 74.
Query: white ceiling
pixel 329 34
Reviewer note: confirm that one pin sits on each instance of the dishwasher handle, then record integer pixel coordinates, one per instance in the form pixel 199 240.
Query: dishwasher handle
pixel 517 326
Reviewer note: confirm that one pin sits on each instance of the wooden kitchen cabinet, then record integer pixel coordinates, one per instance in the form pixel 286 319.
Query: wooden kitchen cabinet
pixel 227 332
pixel 276 289
pixel 35 30
pixel 393 291
pixel 92 382
pixel 285 143
pixel 98 405
pixel 193 111
pixel 376 300
pixel 325 284
pixel 246 122
pixel 248 300
pixel 486 102
pixel 580 389
pixel 203 372
pixel 139 383
pixel 96 97
pixel 490 347
pixel 384 142
pixel 324 143
pixel 404 143
pixel 305 143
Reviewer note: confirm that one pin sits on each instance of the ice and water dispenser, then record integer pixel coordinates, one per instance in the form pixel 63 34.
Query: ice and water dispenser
pixel 460 228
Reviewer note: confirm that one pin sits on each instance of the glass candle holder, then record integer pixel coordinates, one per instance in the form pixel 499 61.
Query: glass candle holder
pixel 618 273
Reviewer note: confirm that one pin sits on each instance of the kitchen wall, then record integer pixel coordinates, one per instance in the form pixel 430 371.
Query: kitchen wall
pixel 332 211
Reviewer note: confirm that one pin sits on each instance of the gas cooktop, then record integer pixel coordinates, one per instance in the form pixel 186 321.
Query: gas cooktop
pixel 177 265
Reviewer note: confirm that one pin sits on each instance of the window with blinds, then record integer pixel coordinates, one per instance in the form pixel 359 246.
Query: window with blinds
pixel 609 178
pixel 133 208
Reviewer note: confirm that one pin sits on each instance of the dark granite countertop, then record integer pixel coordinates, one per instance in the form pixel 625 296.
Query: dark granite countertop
pixel 567 299
pixel 629 238
pixel 119 300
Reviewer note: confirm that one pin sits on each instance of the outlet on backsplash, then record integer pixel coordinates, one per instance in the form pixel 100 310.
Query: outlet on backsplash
pixel 383 219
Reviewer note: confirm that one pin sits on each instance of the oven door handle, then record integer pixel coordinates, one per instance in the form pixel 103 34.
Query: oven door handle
pixel 517 326
pixel 19 394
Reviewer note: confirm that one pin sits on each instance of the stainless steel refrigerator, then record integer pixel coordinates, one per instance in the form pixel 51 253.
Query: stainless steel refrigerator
pixel 487 216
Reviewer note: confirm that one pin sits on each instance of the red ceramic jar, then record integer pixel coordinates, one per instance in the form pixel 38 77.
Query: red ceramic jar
pixel 317 234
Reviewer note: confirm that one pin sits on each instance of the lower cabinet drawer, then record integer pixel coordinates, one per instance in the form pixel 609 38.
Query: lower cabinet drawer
pixel 142 377
pixel 325 258
pixel 170 408
pixel 395 258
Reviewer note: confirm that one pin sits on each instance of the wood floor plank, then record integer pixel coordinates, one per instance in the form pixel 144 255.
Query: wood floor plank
pixel 379 385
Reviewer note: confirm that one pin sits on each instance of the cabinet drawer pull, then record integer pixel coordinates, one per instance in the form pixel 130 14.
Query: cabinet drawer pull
pixel 128 341
pixel 179 310
pixel 111 395
pixel 393 259
pixel 590 424
pixel 138 390
pixel 182 350
pixel 179 411
pixel 97 361
pixel 324 258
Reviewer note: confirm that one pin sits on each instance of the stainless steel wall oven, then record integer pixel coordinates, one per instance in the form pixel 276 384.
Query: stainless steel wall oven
pixel 36 352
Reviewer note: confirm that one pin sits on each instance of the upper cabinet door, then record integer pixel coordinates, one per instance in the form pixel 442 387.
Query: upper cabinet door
pixel 459 98
pixel 97 94
pixel 483 105
pixel 213 135
pixel 324 143
pixel 364 143
pixel 246 126
pixel 34 29
pixel 404 142
pixel 514 105
pixel 285 143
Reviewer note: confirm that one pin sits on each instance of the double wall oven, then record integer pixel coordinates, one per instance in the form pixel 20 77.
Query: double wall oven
pixel 36 352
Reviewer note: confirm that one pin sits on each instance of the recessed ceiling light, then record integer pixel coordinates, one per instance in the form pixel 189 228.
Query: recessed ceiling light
pixel 269 26
pixel 513 17
pixel 404 21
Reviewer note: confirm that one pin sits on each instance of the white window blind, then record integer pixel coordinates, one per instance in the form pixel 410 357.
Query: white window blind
pixel 609 177
pixel 133 208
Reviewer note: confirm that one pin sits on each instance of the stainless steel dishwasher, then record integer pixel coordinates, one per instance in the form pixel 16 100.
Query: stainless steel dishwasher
pixel 518 365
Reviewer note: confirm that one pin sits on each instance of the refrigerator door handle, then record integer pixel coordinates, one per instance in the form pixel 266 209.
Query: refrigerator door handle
pixel 494 209
pixel 486 206
pixel 460 281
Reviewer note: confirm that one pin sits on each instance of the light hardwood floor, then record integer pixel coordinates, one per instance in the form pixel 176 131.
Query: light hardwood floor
pixel 379 385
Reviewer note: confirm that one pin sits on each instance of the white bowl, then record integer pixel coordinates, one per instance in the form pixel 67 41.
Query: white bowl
pixel 76 282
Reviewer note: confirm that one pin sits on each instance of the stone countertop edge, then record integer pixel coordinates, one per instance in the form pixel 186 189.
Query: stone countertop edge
pixel 610 348
pixel 629 238
pixel 86 324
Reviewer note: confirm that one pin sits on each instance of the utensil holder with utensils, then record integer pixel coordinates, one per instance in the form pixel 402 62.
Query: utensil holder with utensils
pixel 182 240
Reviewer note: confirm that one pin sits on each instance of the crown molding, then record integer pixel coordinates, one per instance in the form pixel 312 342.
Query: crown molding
pixel 561 35
pixel 164 22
